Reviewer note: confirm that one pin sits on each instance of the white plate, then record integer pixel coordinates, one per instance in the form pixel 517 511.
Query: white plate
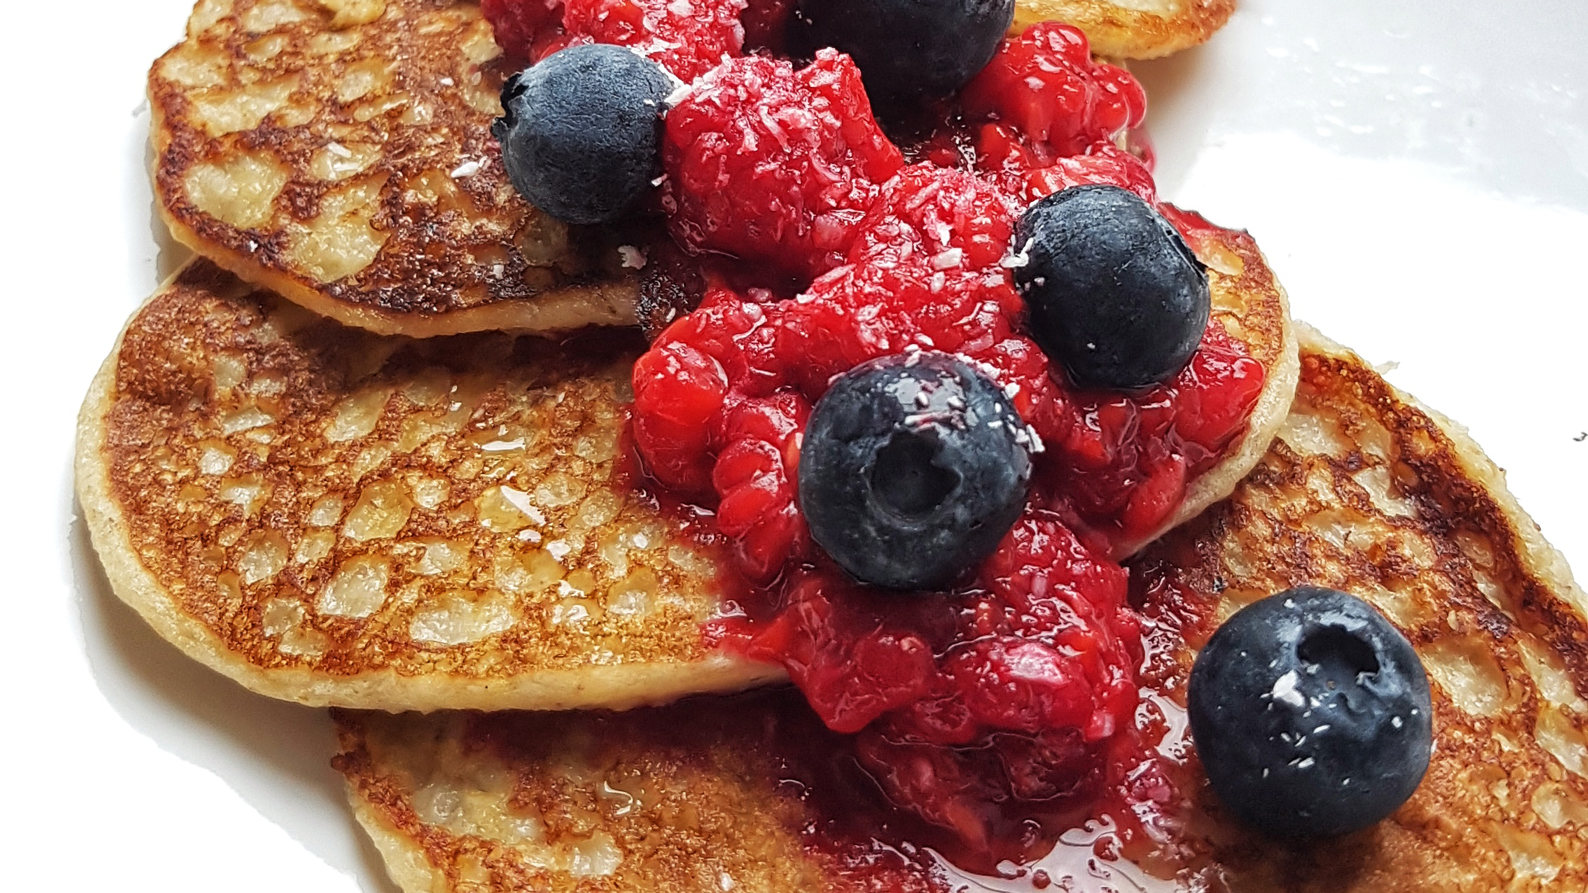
pixel 1416 173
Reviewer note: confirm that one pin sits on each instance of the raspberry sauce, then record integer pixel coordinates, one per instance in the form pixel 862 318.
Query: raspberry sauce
pixel 995 718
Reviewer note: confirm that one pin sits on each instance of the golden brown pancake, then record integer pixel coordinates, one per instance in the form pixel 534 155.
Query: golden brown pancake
pixel 336 517
pixel 1133 29
pixel 1364 490
pixel 340 154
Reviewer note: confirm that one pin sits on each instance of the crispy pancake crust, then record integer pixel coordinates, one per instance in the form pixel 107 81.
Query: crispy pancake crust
pixel 340 155
pixel 335 517
pixel 446 810
pixel 1137 29
pixel 1368 491
pixel 1365 489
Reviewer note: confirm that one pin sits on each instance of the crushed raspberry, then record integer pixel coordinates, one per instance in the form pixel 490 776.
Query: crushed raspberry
pixel 525 29
pixel 686 37
pixel 1014 690
pixel 1042 116
pixel 1003 157
pixel 1125 463
pixel 754 476
pixel 1017 690
pixel 1045 84
pixel 961 702
pixel 773 165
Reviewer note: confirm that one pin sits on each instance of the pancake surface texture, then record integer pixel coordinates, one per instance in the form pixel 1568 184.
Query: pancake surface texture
pixel 340 154
pixel 1365 490
pixel 335 517
pixel 341 518
pixel 1132 29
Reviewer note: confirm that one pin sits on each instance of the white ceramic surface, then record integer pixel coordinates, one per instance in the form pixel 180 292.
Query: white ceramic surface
pixel 1417 172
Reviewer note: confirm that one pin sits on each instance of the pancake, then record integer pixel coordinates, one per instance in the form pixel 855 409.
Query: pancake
pixel 1364 489
pixel 340 518
pixel 340 154
pixel 1135 29
pixel 331 516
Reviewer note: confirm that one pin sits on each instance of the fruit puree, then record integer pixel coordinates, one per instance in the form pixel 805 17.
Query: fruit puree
pixel 1015 693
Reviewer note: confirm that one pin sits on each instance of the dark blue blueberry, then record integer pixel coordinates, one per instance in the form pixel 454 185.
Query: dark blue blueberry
pixel 908 49
pixel 912 468
pixel 1114 294
pixel 1311 714
pixel 581 131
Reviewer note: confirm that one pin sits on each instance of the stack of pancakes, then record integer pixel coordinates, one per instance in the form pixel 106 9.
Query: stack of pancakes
pixel 367 451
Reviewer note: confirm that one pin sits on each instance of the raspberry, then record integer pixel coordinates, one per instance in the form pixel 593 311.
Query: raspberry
pixel 1044 117
pixel 1045 766
pixel 681 387
pixel 1124 473
pixel 926 270
pixel 775 166
pixel 524 27
pixel 754 477
pixel 1217 392
pixel 1002 154
pixel 948 787
pixel 851 668
pixel 1072 601
pixel 1045 84
pixel 927 212
pixel 1021 690
pixel 678 391
pixel 686 37
pixel 1029 695
pixel 1021 685
pixel 1103 163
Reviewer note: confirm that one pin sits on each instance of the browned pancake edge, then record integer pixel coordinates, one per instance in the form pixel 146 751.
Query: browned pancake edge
pixel 334 517
pixel 1136 30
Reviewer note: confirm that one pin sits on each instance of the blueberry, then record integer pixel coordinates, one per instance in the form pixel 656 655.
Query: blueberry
pixel 1114 294
pixel 908 49
pixel 1311 714
pixel 912 468
pixel 582 130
